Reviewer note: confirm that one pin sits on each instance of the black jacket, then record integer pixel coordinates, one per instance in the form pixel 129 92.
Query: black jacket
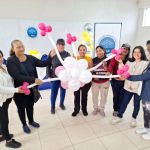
pixel 55 63
pixel 25 71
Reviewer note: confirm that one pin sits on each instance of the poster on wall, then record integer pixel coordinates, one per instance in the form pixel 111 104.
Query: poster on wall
pixel 107 35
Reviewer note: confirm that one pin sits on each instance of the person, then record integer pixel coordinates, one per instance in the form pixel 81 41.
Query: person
pixel 137 65
pixel 148 48
pixel 100 85
pixel 83 91
pixel 145 96
pixel 22 68
pixel 7 91
pixel 117 85
pixel 56 85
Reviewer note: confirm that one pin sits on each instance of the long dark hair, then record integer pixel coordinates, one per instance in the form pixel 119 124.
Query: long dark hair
pixel 142 51
pixel 12 46
pixel 1 53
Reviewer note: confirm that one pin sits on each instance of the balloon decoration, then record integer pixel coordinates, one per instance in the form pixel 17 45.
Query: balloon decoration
pixel 35 53
pixel 117 53
pixel 32 32
pixel 25 88
pixel 73 73
pixel 88 27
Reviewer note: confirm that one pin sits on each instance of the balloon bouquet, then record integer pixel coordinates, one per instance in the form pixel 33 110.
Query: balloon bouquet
pixel 74 73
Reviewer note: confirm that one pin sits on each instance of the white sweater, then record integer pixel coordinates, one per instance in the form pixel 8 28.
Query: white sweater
pixel 7 89
pixel 135 69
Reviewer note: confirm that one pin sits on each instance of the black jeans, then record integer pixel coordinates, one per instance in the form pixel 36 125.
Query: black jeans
pixel 118 93
pixel 25 105
pixel 4 120
pixel 83 91
pixel 146 110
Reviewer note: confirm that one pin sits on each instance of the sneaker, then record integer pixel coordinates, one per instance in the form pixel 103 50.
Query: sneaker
pixel 116 120
pixel 102 113
pixel 26 129
pixel 146 136
pixel 3 139
pixel 95 111
pixel 13 144
pixel 85 113
pixel 142 130
pixel 115 113
pixel 35 124
pixel 133 123
pixel 52 111
pixel 62 106
pixel 74 113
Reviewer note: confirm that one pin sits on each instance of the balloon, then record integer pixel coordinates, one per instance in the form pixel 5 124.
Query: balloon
pixel 64 75
pixel 85 76
pixel 120 71
pixel 70 63
pixel 32 32
pixel 74 85
pixel 64 85
pixel 69 41
pixel 74 39
pixel 114 51
pixel 126 74
pixel 88 27
pixel 69 35
pixel 25 83
pixel 82 64
pixel 43 33
pixel 120 50
pixel 58 70
pixel 27 92
pixel 118 57
pixel 42 26
pixel 48 29
pixel 126 68
pixel 75 73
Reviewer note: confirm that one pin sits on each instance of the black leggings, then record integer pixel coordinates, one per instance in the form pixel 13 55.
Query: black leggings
pixel 25 105
pixel 84 94
pixel 4 121
pixel 146 110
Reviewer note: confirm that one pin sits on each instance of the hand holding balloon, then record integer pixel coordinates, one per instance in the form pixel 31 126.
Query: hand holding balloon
pixel 25 89
pixel 123 71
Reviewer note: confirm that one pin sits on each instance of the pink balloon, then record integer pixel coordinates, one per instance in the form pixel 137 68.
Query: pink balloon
pixel 58 70
pixel 25 83
pixel 118 57
pixel 120 71
pixel 82 84
pixel 69 41
pixel 126 75
pixel 120 50
pixel 48 29
pixel 114 51
pixel 126 68
pixel 74 39
pixel 41 26
pixel 43 33
pixel 64 85
pixel 27 92
pixel 69 35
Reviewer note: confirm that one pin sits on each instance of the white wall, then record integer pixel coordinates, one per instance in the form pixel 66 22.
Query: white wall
pixel 65 16
pixel 143 33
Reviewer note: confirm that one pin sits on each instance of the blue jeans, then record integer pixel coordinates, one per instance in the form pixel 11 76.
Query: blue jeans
pixel 126 99
pixel 55 85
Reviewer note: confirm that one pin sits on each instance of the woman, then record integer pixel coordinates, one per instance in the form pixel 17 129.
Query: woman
pixel 56 85
pixel 83 90
pixel 7 91
pixel 100 85
pixel 117 85
pixel 22 68
pixel 137 65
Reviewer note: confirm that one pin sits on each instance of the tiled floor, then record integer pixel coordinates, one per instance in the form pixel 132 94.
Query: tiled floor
pixel 63 132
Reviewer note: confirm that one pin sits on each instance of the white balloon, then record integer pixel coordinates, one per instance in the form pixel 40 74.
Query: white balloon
pixel 82 64
pixel 85 76
pixel 64 75
pixel 74 85
pixel 75 73
pixel 70 63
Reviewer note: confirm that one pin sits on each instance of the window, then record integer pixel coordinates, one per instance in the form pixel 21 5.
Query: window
pixel 146 17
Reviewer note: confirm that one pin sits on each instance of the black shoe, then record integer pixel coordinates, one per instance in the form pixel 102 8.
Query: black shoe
pixel 85 113
pixel 13 144
pixel 3 139
pixel 35 124
pixel 52 111
pixel 62 106
pixel 26 129
pixel 75 113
